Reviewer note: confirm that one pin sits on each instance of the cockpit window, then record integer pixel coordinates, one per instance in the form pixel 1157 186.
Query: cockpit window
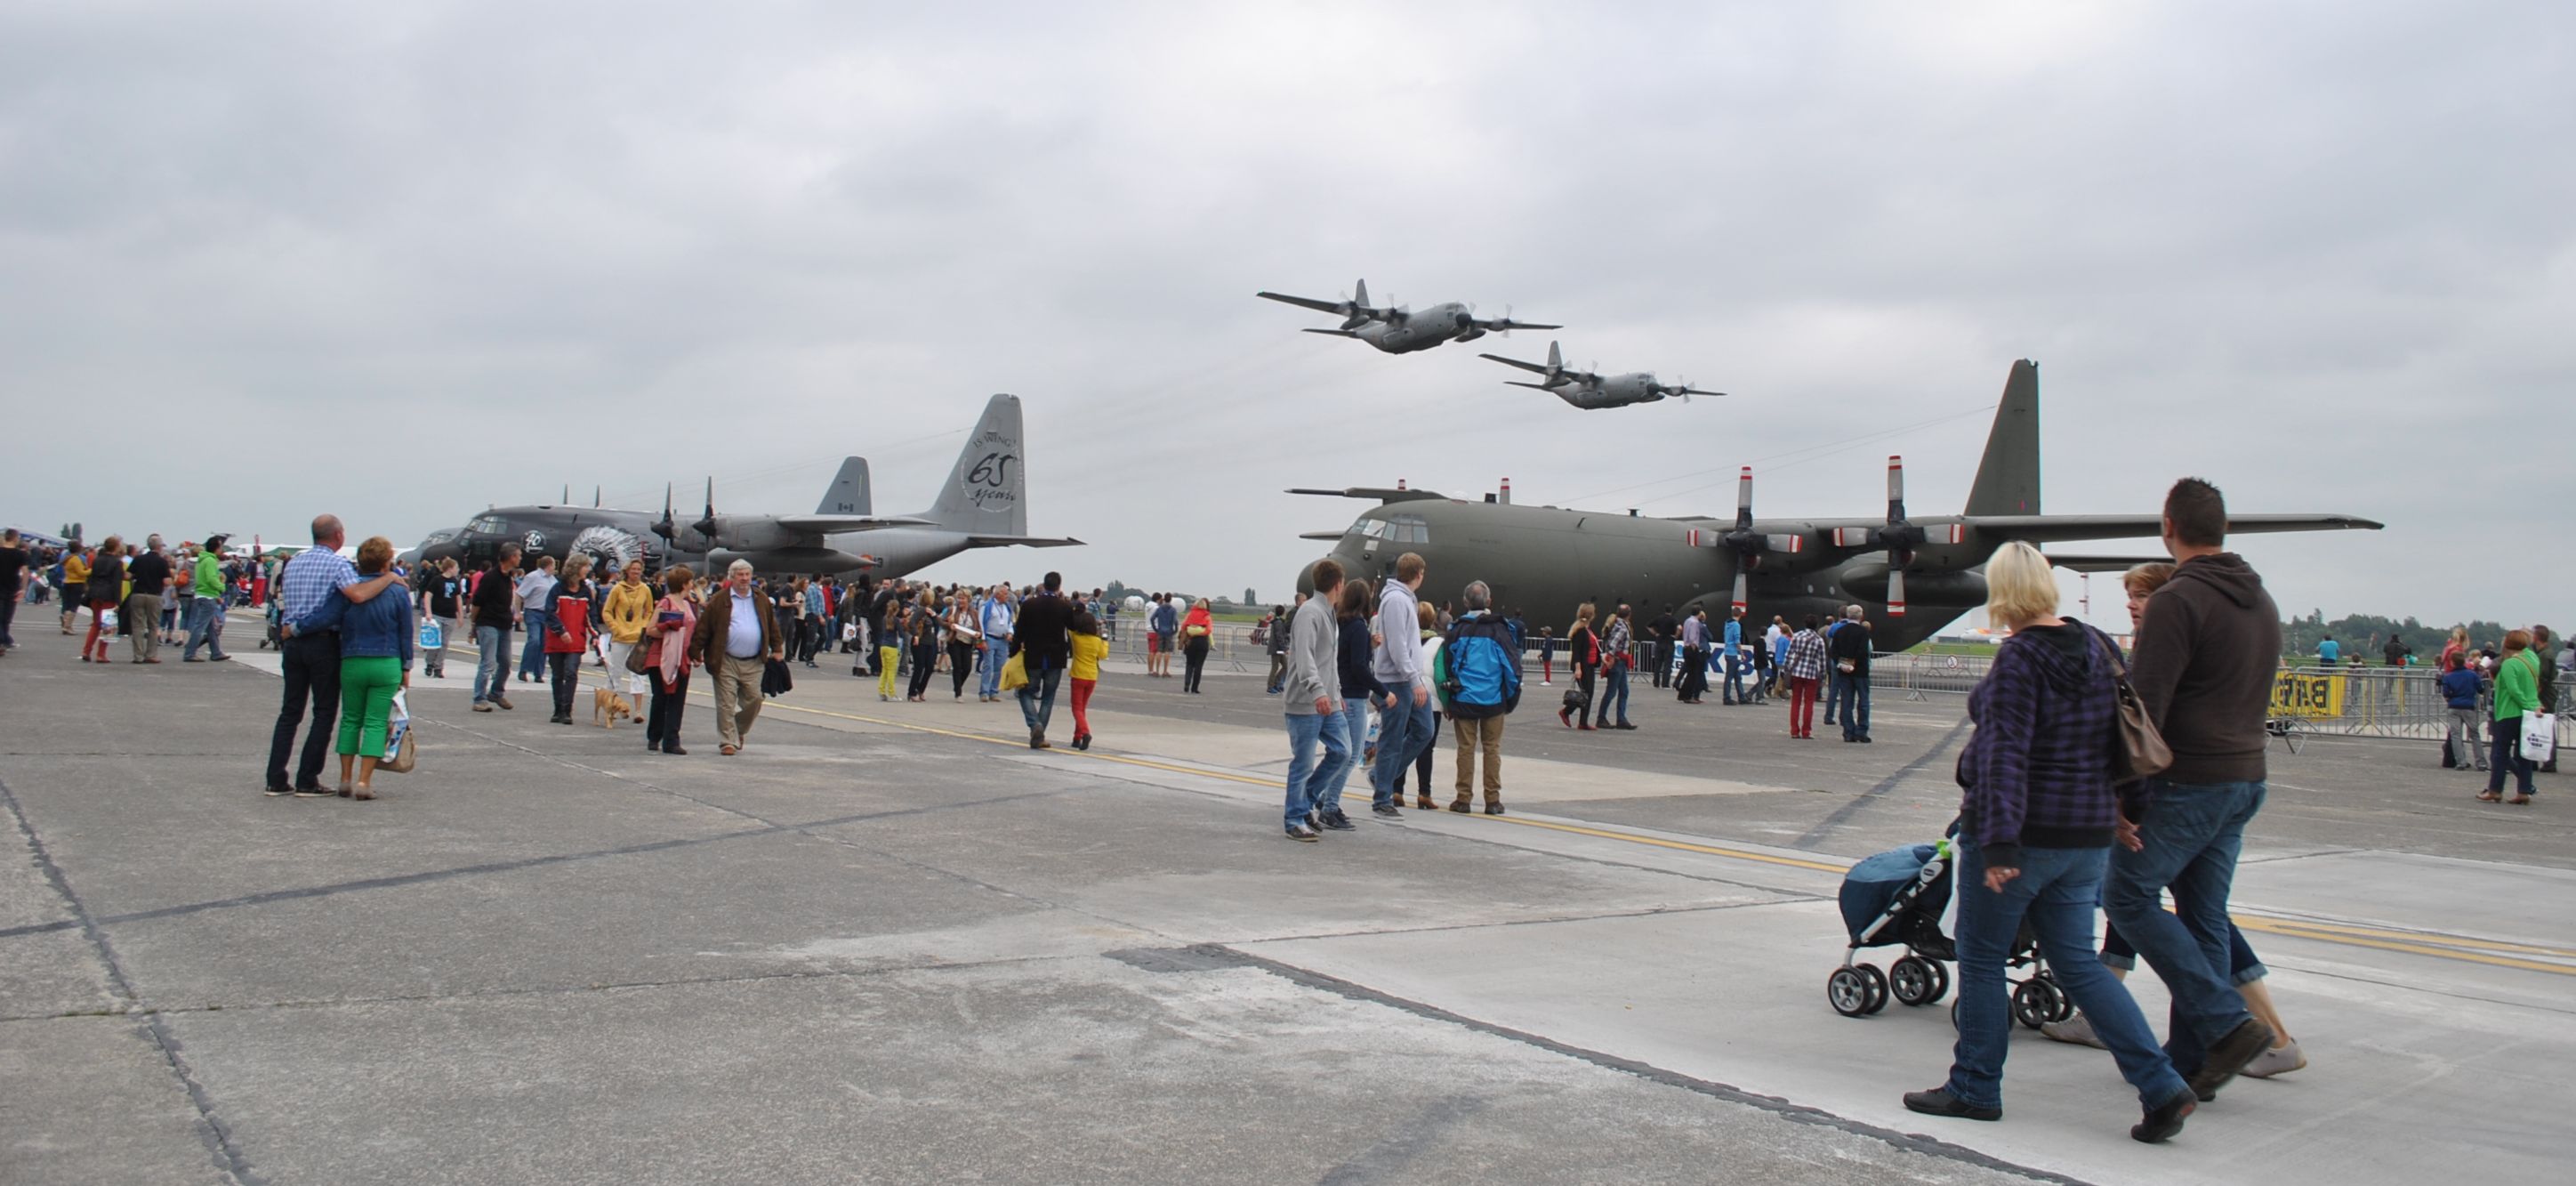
pixel 1394 529
pixel 489 525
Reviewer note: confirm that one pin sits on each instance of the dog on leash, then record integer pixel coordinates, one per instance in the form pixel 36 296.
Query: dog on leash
pixel 607 707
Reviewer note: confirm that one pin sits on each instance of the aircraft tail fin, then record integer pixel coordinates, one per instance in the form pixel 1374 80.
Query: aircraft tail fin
pixel 986 493
pixel 2008 479
pixel 848 494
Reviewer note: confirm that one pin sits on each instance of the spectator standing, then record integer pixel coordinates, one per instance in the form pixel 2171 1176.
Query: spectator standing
pixel 732 638
pixel 568 636
pixel 925 646
pixel 962 634
pixel 1583 653
pixel 1614 676
pixel 150 573
pixel 536 588
pixel 1546 656
pixel 1850 651
pixel 666 639
pixel 311 662
pixel 1314 713
pixel 2204 672
pixel 1735 692
pixel 105 590
pixel 1662 630
pixel 2517 694
pixel 1483 660
pixel 2549 668
pixel 1406 728
pixel 1089 648
pixel 2462 747
pixel 1804 668
pixel 1694 680
pixel 997 618
pixel 1198 633
pixel 375 645
pixel 1043 641
pixel 492 599
pixel 13 578
pixel 1274 632
pixel 1358 682
pixel 206 605
pixel 75 584
pixel 2037 817
pixel 2329 652
pixel 623 615
pixel 1165 627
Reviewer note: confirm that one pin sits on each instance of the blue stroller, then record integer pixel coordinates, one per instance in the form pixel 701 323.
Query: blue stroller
pixel 1898 897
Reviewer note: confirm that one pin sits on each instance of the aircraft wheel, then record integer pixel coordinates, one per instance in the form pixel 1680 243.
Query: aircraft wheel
pixel 1849 993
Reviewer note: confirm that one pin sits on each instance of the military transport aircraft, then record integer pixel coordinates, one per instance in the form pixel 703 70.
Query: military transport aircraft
pixel 1544 561
pixel 983 505
pixel 1398 330
pixel 1586 390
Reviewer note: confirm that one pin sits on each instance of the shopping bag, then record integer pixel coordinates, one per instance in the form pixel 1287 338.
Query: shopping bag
pixel 106 621
pixel 1015 674
pixel 399 754
pixel 2539 736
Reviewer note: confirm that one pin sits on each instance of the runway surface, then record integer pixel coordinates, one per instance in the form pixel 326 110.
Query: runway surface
pixel 890 943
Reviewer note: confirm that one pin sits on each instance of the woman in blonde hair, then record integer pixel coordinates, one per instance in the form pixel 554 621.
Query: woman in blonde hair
pixel 1583 653
pixel 2036 820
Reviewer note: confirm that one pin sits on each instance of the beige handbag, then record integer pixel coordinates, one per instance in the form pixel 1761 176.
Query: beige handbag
pixel 2141 752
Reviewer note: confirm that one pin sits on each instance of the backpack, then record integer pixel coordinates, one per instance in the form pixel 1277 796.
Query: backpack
pixel 1478 670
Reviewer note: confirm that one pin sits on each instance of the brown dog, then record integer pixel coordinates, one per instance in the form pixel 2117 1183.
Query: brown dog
pixel 607 707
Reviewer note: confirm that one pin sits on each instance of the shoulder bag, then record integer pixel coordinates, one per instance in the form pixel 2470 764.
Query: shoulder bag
pixel 2139 750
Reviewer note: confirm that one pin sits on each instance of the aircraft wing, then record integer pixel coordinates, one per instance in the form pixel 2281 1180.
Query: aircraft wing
pixel 1532 367
pixel 2104 563
pixel 836 524
pixel 2039 529
pixel 1379 493
pixel 1303 302
pixel 1020 541
pixel 1334 333
pixel 1503 323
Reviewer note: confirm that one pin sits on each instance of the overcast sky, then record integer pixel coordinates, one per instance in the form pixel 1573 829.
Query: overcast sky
pixel 404 261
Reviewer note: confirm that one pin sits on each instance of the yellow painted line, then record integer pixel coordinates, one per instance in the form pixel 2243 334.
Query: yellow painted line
pixel 2408 942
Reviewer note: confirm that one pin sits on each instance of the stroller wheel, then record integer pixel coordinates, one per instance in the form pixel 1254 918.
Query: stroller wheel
pixel 1917 981
pixel 1849 992
pixel 1877 986
pixel 2036 1002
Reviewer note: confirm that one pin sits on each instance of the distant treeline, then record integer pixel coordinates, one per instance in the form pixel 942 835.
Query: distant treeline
pixel 2363 635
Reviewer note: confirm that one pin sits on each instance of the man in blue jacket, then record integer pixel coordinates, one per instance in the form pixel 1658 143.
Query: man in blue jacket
pixel 1482 662
pixel 2460 694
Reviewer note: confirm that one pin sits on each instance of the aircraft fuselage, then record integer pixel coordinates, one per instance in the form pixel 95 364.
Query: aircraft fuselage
pixel 612 537
pixel 1422 329
pixel 1615 391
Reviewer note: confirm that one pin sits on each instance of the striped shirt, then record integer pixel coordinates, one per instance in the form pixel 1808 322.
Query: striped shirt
pixel 309 579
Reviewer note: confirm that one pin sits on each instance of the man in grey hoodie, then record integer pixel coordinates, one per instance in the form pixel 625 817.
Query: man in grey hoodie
pixel 1314 711
pixel 1403 732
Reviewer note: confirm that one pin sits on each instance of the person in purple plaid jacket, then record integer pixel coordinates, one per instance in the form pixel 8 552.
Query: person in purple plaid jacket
pixel 2036 819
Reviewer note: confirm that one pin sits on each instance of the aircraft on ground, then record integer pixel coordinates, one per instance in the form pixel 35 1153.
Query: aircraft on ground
pixel 983 505
pixel 1912 576
pixel 1398 330
pixel 1587 390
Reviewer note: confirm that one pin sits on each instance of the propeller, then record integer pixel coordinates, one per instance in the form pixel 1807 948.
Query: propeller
pixel 666 528
pixel 1683 390
pixel 1355 310
pixel 1899 537
pixel 1751 546
pixel 707 526
pixel 594 498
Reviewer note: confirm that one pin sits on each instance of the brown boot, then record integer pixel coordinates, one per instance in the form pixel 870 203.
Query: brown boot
pixel 1423 803
pixel 1463 805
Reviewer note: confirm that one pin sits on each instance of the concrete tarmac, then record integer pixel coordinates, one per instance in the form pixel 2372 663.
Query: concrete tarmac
pixel 890 943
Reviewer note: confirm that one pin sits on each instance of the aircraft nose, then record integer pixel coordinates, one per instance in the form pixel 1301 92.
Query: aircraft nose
pixel 1306 576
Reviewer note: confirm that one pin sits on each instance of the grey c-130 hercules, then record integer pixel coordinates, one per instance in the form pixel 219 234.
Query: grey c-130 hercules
pixel 983 505
pixel 1911 575
pixel 1398 330
pixel 1586 390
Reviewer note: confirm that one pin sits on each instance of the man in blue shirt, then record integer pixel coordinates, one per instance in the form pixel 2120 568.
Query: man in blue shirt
pixel 1166 624
pixel 2329 652
pixel 995 618
pixel 311 662
pixel 1734 644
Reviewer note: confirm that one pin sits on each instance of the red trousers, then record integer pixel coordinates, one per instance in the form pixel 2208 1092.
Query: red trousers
pixel 1802 708
pixel 1082 706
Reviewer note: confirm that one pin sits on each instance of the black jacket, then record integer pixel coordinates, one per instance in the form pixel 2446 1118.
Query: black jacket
pixel 1042 631
pixel 492 599
pixel 1850 642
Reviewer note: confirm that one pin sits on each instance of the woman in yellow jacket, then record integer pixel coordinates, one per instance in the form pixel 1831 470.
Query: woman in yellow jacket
pixel 626 611
pixel 1088 649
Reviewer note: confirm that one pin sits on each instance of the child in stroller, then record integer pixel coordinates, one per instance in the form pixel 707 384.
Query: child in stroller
pixel 1898 897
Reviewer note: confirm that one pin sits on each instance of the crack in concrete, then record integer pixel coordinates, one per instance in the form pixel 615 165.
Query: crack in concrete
pixel 217 1135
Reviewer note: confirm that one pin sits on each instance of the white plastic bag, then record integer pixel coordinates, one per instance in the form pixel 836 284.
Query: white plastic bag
pixel 2539 736
pixel 397 722
pixel 106 621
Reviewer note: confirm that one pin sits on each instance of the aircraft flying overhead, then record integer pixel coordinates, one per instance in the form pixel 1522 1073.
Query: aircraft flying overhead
pixel 1587 390
pixel 1399 330
pixel 1911 575
pixel 982 505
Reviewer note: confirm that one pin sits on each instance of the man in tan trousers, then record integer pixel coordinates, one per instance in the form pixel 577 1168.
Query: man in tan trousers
pixel 734 635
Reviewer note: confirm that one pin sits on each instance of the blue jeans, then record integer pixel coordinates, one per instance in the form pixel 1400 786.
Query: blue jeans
pixel 2507 755
pixel 2055 893
pixel 988 682
pixel 492 670
pixel 1401 735
pixel 1614 690
pixel 2192 834
pixel 1305 775
pixel 532 658
pixel 1735 680
pixel 1037 697
pixel 1851 702
pixel 202 615
pixel 1328 795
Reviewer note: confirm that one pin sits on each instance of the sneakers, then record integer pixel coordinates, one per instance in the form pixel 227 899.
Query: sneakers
pixel 480 706
pixel 2074 1031
pixel 1494 808
pixel 2279 1060
pixel 1338 822
pixel 1301 832
pixel 316 792
pixel 2229 1055
pixel 1388 810
pixel 503 701
pixel 277 792
pixel 2165 1119
pixel 1939 1102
